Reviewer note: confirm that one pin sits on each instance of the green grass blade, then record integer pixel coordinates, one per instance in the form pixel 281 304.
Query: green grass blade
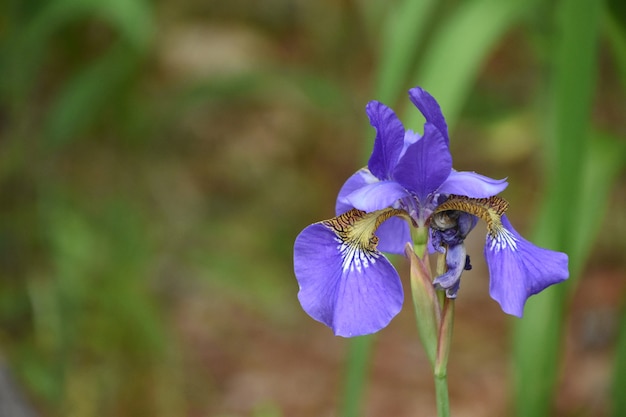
pixel 459 47
pixel 537 338
pixel 86 95
pixel 402 37
pixel 616 35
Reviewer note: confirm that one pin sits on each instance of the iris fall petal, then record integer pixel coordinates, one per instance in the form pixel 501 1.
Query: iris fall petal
pixel 351 290
pixel 518 269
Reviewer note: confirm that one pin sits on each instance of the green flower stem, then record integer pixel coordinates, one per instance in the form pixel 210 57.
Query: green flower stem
pixel 434 314
pixel 441 394
pixel 359 353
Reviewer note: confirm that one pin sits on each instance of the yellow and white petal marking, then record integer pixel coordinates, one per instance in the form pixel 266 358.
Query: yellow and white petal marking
pixel 488 209
pixel 354 232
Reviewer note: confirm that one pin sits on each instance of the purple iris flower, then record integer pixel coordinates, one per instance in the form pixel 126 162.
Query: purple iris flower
pixel 345 280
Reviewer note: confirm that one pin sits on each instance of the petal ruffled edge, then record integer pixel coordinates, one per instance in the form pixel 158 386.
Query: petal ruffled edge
pixel 352 291
pixel 518 269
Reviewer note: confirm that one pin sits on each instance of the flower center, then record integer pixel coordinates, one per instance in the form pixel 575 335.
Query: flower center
pixel 356 227
pixel 354 232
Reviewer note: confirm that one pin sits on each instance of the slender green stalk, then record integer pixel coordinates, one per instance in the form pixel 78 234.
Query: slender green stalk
pixel 358 357
pixel 441 393
pixel 538 337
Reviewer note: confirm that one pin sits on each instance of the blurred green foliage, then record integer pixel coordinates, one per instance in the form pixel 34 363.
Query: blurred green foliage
pixel 159 155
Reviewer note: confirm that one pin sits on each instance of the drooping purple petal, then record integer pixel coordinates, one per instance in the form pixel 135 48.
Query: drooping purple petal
pixel 351 290
pixel 359 179
pixel 429 107
pixel 426 164
pixel 472 185
pixel 377 196
pixel 519 269
pixel 389 139
pixel 393 234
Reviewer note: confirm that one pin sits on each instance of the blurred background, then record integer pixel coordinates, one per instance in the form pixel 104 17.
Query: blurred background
pixel 158 159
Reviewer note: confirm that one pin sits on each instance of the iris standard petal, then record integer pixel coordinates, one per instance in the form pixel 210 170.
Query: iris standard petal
pixel 410 138
pixel 519 269
pixel 426 164
pixel 389 139
pixel 359 179
pixel 353 290
pixel 376 196
pixel 429 107
pixel 472 185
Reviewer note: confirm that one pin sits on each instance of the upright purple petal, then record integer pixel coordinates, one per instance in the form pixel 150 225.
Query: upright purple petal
pixel 426 164
pixel 519 269
pixel 359 179
pixel 410 138
pixel 351 290
pixel 389 139
pixel 472 185
pixel 429 107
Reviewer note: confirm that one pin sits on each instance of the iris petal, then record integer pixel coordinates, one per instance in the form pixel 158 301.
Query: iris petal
pixel 518 269
pixel 359 179
pixel 456 259
pixel 429 107
pixel 472 185
pixel 389 139
pixel 426 164
pixel 393 236
pixel 377 196
pixel 354 291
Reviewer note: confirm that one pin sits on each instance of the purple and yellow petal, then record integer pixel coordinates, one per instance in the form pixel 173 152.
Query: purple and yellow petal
pixel 345 282
pixel 518 269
